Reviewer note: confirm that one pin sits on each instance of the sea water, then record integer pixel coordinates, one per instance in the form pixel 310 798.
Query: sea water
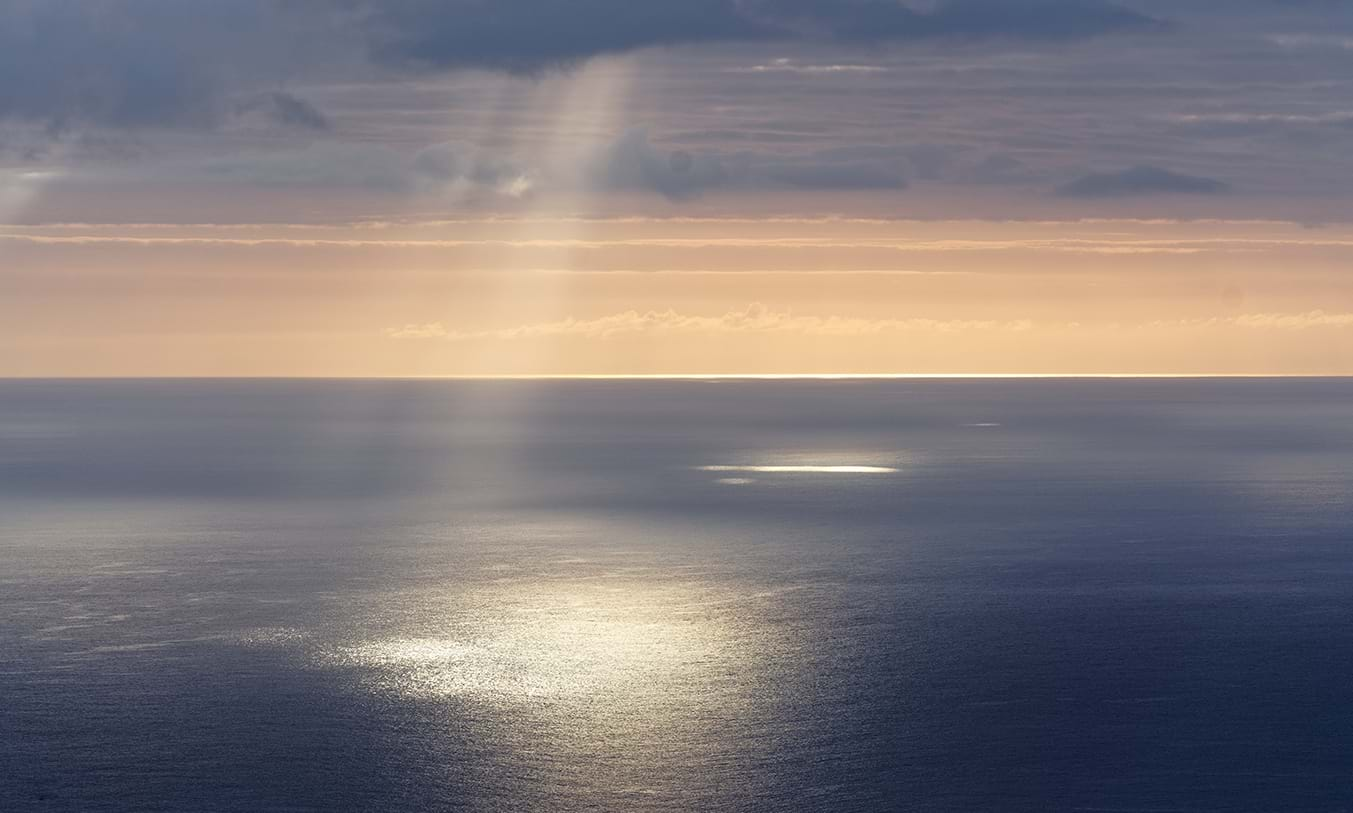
pixel 684 595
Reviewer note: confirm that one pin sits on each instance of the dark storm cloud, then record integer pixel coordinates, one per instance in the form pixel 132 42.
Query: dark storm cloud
pixel 528 35
pixel 167 63
pixel 1000 99
pixel 882 20
pixel 1142 180
pixel 68 64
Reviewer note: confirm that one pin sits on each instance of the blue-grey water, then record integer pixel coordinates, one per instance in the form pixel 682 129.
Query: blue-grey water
pixel 1019 595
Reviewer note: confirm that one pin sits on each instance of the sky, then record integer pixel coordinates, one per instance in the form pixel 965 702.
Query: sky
pixel 666 187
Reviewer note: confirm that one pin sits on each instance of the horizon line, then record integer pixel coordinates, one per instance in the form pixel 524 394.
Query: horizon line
pixel 680 377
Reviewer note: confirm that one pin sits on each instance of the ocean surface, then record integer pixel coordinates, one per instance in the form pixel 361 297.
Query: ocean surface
pixel 884 595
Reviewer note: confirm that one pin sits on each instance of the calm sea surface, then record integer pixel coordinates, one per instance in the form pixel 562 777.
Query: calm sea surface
pixel 1022 595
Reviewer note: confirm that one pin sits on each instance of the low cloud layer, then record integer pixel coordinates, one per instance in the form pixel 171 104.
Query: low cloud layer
pixel 634 163
pixel 757 318
pixel 1139 181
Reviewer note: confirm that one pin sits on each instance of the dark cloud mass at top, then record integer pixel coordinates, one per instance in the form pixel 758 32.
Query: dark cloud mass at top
pixel 882 20
pixel 527 35
pixel 169 63
pixel 150 63
pixel 1156 104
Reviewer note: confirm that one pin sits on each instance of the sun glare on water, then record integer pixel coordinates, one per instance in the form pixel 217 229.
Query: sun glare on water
pixel 608 640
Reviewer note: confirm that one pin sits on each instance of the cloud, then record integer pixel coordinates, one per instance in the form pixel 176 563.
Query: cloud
pixel 316 165
pixel 444 168
pixel 787 65
pixel 530 35
pixel 284 109
pixel 633 162
pixel 821 100
pixel 844 175
pixel 1307 320
pixel 169 63
pixel 1294 321
pixel 71 64
pixel 456 165
pixel 998 169
pixel 755 318
pixel 759 319
pixel 1142 180
pixel 431 330
pixel 884 20
pixel 1036 19
pixel 1313 41
pixel 1256 124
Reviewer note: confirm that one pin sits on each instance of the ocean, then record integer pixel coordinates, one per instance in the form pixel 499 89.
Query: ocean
pixel 677 595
